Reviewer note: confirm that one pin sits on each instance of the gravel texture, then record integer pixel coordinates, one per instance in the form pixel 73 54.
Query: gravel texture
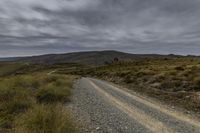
pixel 99 108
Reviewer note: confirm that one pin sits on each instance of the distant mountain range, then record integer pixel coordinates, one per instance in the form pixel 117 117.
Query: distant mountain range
pixel 88 58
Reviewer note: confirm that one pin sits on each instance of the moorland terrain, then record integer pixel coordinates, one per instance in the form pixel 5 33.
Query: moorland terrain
pixel 43 84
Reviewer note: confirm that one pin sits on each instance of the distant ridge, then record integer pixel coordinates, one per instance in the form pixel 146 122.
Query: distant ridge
pixel 87 58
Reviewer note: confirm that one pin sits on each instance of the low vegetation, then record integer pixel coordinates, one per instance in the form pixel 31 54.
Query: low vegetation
pixel 45 119
pixel 34 102
pixel 19 68
pixel 8 68
pixel 32 99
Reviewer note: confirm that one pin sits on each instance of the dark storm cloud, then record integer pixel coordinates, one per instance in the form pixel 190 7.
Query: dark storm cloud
pixel 30 27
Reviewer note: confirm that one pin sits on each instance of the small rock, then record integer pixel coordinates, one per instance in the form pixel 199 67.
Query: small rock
pixel 188 112
pixel 97 128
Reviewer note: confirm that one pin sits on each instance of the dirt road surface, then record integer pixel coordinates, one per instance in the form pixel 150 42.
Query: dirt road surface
pixel 102 107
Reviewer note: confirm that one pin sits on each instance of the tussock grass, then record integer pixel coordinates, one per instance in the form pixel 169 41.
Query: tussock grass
pixel 45 119
pixel 14 99
pixel 58 91
pixel 36 102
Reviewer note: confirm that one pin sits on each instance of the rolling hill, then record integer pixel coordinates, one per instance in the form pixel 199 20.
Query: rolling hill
pixel 87 58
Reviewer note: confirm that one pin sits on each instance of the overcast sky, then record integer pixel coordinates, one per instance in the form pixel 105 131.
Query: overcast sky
pixel 31 27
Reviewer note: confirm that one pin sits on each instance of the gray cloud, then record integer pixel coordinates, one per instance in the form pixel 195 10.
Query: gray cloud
pixel 29 27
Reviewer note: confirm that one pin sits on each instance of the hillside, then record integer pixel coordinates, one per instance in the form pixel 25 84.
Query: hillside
pixel 87 58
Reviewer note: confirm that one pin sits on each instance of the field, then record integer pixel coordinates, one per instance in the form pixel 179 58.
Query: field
pixel 33 100
pixel 175 81
pixel 32 97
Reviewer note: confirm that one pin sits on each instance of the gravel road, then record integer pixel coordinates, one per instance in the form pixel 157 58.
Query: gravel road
pixel 102 107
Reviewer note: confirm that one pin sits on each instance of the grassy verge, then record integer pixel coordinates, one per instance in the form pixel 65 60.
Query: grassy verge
pixel 45 119
pixel 34 103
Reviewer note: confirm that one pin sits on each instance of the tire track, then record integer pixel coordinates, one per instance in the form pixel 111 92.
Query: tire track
pixel 145 120
pixel 110 109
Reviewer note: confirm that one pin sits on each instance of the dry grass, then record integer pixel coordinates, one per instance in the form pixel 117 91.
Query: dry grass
pixel 10 68
pixel 45 119
pixel 28 99
pixel 57 91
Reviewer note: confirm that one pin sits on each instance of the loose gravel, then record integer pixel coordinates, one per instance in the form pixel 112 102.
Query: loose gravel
pixel 96 114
